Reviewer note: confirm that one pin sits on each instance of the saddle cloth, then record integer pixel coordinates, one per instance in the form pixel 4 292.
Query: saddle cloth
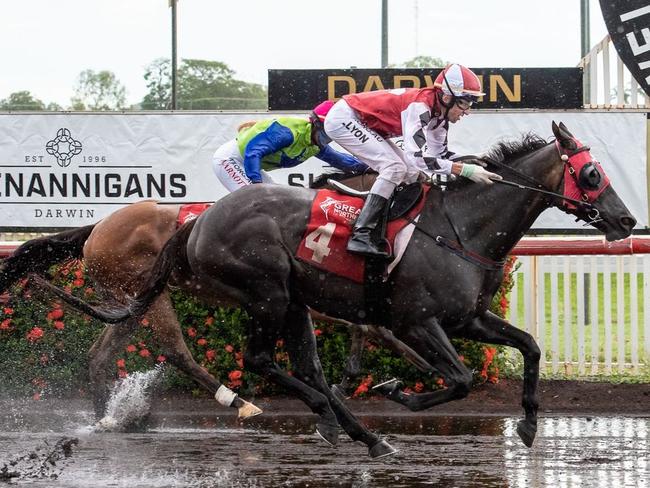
pixel 190 211
pixel 328 230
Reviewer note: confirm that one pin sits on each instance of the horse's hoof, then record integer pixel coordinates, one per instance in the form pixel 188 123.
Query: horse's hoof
pixel 106 424
pixel 328 432
pixel 339 393
pixel 247 410
pixel 387 388
pixel 381 449
pixel 526 432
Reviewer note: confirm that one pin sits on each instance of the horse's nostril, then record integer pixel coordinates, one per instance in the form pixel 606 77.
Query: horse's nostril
pixel 628 222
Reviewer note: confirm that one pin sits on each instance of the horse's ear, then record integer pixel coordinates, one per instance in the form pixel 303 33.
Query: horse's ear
pixel 563 136
pixel 564 128
pixel 556 129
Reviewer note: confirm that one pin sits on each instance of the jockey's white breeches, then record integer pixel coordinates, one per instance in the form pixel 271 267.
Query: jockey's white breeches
pixel 344 126
pixel 228 165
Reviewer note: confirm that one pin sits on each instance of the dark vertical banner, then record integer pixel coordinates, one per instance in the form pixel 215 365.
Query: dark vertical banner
pixel 628 23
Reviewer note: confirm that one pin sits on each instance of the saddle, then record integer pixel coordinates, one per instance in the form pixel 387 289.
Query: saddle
pixel 376 286
pixel 404 198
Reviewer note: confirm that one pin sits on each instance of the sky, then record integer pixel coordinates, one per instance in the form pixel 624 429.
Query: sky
pixel 47 43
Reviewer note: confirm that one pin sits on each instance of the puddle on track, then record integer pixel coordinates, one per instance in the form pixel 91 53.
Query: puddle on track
pixel 282 451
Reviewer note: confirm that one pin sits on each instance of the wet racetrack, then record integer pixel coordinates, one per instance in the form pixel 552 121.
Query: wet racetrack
pixel 281 450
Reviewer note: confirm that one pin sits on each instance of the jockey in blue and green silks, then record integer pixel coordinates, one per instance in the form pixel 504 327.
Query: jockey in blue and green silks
pixel 282 142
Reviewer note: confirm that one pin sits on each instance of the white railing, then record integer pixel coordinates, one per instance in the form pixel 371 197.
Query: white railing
pixel 607 82
pixel 599 324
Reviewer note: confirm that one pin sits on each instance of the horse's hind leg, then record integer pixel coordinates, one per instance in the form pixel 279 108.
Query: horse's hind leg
pixel 258 358
pixel 352 369
pixel 495 330
pixel 112 340
pixel 301 346
pixel 168 336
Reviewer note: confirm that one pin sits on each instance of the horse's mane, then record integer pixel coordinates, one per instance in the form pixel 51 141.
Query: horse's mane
pixel 509 150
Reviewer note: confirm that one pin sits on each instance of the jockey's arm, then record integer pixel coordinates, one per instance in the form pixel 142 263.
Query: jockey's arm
pixel 271 140
pixel 342 161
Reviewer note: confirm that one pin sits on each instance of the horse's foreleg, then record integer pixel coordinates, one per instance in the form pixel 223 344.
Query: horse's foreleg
pixel 112 340
pixel 168 335
pixel 301 346
pixel 495 330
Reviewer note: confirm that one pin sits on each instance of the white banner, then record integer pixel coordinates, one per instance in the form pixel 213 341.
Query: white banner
pixel 67 170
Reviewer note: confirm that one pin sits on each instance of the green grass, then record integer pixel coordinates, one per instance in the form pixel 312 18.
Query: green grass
pixel 588 328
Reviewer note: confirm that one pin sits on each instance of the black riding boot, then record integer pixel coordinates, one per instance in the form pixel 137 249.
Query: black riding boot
pixel 366 239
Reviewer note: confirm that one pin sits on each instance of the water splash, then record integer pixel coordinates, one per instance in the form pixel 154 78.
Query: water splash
pixel 130 400
pixel 41 462
pixel 153 478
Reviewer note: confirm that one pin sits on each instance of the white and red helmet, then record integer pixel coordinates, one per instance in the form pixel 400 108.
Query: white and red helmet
pixel 459 81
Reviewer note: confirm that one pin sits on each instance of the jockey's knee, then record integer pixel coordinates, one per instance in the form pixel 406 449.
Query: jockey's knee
pixel 395 172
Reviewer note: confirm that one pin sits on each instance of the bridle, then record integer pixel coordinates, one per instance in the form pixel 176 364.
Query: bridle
pixel 575 162
pixel 575 179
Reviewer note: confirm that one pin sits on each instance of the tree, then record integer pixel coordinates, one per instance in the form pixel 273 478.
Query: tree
pixel 203 85
pixel 158 78
pixel 422 62
pixel 53 107
pixel 98 91
pixel 21 100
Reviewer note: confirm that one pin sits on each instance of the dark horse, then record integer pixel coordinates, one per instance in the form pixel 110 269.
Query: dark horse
pixel 241 250
pixel 118 253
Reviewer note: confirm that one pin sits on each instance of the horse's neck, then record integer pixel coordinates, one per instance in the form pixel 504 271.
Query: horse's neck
pixel 491 220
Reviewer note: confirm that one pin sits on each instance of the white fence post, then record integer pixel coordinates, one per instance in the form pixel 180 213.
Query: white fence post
pixel 620 312
pixel 607 311
pixel 580 304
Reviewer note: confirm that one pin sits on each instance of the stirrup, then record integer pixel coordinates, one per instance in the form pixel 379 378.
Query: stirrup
pixel 365 248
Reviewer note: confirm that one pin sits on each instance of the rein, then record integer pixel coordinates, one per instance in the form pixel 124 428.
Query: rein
pixel 539 188
pixel 457 248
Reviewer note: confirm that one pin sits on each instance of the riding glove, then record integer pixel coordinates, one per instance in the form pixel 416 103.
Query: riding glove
pixel 478 174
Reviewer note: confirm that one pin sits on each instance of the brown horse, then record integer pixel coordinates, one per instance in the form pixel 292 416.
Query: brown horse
pixel 241 251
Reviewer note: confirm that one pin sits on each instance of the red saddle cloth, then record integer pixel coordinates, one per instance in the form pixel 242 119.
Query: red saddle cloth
pixel 190 211
pixel 329 228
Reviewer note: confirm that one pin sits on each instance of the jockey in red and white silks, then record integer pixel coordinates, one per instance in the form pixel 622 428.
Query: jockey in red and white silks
pixel 362 124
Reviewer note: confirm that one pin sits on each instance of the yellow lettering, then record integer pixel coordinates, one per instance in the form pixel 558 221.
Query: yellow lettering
pixel 373 81
pixel 331 86
pixel 398 79
pixel 480 77
pixel 513 95
pixel 428 81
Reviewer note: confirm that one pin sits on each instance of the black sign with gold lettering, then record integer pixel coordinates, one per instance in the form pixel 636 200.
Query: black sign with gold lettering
pixel 628 24
pixel 539 88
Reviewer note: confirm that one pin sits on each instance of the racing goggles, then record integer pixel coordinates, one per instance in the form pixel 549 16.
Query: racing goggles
pixel 465 102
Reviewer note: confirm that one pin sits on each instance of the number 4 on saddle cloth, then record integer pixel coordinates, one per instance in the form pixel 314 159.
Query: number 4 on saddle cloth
pixel 330 225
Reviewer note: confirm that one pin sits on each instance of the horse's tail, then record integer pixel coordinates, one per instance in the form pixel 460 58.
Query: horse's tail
pixel 168 258
pixel 37 255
